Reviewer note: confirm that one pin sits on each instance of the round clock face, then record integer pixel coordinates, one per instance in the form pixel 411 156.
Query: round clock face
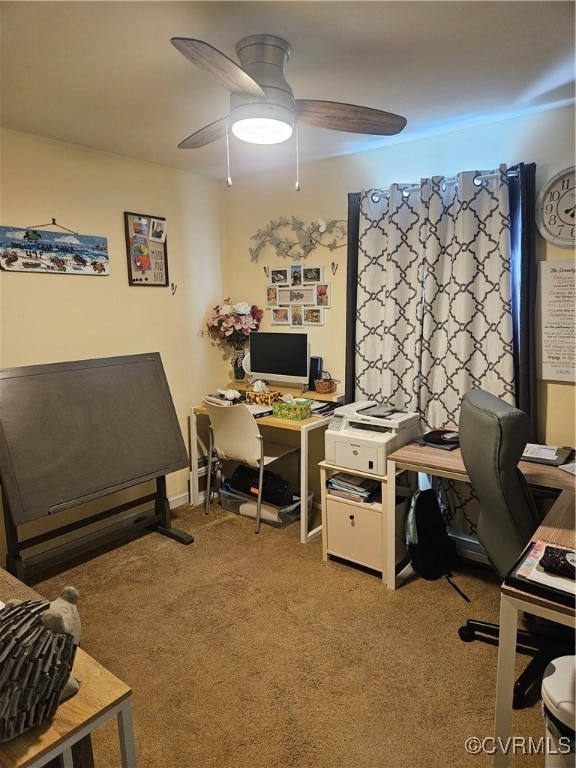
pixel 555 209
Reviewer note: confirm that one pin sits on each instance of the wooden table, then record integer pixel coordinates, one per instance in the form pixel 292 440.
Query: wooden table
pixel 449 464
pixel 101 696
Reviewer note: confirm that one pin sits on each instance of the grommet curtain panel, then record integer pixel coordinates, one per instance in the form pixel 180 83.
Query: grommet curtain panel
pixel 430 295
pixel 433 294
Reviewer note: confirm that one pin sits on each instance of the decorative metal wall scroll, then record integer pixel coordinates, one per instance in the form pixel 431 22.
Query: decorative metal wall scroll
pixel 293 239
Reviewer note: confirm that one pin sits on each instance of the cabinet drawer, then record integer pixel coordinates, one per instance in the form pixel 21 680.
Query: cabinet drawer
pixel 354 533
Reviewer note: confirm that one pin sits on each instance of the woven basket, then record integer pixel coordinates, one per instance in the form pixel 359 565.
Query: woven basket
pixel 325 386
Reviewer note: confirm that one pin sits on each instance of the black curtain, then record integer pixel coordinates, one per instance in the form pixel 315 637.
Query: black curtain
pixel 351 282
pixel 522 191
pixel 522 186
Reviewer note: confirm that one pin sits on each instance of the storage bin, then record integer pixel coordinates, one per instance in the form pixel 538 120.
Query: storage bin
pixel 278 517
pixel 297 411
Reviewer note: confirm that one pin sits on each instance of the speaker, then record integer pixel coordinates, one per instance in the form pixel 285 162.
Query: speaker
pixel 315 371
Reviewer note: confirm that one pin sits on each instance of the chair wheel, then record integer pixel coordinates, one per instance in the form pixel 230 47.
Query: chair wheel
pixel 466 634
pixel 518 701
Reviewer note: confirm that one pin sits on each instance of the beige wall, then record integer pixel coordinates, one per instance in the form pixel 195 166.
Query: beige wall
pixel 546 139
pixel 48 317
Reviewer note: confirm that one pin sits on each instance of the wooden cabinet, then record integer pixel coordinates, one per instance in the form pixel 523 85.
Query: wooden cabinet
pixel 356 531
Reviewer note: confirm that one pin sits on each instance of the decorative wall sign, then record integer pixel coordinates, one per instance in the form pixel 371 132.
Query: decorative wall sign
pixel 293 239
pixel 59 253
pixel 304 295
pixel 557 280
pixel 146 249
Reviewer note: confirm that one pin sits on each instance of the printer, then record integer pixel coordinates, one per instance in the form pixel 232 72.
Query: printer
pixel 361 435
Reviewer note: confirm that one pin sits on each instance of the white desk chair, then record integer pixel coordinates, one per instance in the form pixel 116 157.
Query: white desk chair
pixel 234 435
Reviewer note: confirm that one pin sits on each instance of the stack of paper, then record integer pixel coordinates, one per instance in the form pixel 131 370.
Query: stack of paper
pixel 353 487
pixel 546 452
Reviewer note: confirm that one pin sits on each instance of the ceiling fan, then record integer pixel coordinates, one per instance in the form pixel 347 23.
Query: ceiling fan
pixel 263 109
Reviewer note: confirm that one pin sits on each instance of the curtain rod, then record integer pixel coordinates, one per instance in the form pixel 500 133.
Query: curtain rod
pixel 377 195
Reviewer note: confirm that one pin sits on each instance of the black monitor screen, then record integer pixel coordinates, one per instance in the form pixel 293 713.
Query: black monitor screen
pixel 280 356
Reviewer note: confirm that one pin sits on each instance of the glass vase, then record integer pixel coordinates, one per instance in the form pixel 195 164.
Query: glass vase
pixel 237 360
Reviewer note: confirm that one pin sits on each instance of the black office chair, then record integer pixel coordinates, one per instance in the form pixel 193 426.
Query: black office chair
pixel 493 435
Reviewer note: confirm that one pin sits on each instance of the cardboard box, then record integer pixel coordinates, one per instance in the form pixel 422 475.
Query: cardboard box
pixel 297 411
pixel 262 398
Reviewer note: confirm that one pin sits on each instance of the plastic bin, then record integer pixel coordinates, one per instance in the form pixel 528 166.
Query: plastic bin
pixel 278 517
pixel 558 695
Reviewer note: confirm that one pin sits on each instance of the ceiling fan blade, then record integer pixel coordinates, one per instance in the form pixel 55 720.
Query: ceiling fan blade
pixel 206 135
pixel 337 116
pixel 215 63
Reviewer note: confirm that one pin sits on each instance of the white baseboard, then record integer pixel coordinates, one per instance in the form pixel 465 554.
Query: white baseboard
pixel 178 501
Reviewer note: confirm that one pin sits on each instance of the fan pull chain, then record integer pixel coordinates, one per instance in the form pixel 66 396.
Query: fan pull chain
pixel 229 179
pixel 297 161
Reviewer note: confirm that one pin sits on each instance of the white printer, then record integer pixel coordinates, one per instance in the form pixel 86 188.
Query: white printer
pixel 361 435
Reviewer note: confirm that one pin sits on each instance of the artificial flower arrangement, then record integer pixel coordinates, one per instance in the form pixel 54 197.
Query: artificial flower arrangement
pixel 233 323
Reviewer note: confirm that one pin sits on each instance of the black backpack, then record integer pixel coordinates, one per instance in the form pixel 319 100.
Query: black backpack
pixel 432 552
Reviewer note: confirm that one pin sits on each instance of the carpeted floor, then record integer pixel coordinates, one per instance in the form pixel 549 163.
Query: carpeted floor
pixel 249 651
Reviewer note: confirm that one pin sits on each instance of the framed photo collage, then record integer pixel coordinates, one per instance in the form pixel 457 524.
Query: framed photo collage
pixel 297 295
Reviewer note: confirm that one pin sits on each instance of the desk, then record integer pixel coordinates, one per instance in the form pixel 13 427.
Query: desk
pixel 305 428
pixel 449 464
pixel 101 696
pixel 557 528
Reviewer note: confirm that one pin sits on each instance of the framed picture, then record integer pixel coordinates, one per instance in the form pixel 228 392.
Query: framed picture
pixel 322 294
pixel 304 295
pixel 38 251
pixel 281 316
pixel 146 249
pixel 312 275
pixel 279 276
pixel 272 296
pixel 297 314
pixel 313 316
pixel 296 274
pixel 158 230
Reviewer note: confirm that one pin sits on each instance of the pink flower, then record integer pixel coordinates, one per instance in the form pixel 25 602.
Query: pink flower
pixel 233 323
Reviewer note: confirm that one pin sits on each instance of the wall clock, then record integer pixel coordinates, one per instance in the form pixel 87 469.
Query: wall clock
pixel 555 209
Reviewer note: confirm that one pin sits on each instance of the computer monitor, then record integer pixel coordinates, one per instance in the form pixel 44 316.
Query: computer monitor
pixel 279 357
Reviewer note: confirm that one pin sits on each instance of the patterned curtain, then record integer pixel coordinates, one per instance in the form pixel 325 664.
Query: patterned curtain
pixel 433 314
pixel 433 301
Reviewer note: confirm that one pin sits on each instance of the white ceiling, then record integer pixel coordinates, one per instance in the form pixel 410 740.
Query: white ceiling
pixel 104 74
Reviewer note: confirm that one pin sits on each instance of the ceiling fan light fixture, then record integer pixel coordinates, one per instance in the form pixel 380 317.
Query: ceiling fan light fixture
pixel 262 130
pixel 262 123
